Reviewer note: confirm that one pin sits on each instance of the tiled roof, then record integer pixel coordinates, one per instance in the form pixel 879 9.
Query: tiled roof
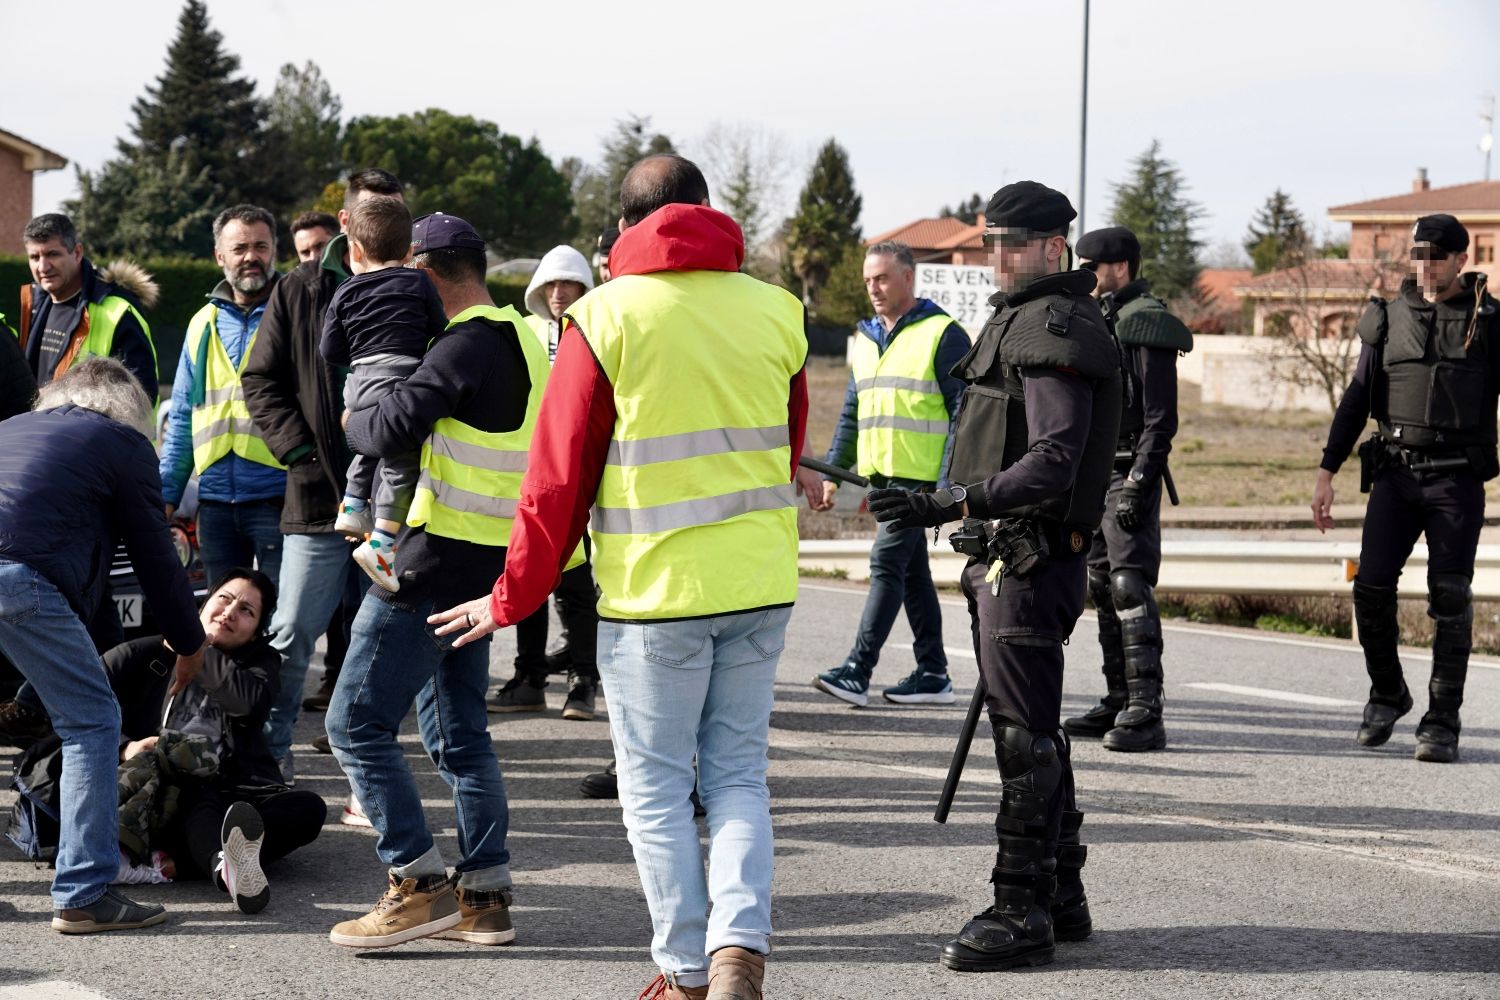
pixel 1456 199
pixel 1342 278
pixel 33 157
pixel 933 234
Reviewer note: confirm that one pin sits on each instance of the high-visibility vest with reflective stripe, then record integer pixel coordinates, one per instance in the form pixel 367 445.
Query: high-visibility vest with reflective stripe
pixel 538 327
pixel 221 423
pixel 470 480
pixel 903 419
pixel 695 511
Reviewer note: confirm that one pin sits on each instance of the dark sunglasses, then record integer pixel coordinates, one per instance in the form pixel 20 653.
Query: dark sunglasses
pixel 1009 241
pixel 1429 253
pixel 1089 265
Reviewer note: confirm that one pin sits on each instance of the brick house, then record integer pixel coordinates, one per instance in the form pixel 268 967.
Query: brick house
pixel 19 159
pixel 946 240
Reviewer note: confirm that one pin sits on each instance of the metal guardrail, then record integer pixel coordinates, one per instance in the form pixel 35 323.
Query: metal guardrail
pixel 1304 569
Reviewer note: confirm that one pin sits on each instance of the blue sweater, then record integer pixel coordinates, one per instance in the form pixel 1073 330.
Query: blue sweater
pixel 231 479
pixel 951 350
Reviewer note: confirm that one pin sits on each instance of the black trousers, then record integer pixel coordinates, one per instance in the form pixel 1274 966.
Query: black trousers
pixel 1116 549
pixel 292 819
pixel 578 606
pixel 1448 507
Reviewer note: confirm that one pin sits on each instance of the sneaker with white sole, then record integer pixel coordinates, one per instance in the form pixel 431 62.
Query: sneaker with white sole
pixel 110 912
pixel 484 917
pixel 921 688
pixel 239 869
pixel 411 908
pixel 847 683
pixel 378 560
pixel 354 523
pixel 354 813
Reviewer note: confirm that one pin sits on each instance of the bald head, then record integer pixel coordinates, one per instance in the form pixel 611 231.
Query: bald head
pixel 665 179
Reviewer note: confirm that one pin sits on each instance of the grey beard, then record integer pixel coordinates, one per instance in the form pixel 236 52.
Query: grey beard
pixel 246 283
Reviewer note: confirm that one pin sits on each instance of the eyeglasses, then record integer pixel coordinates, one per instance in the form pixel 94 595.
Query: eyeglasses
pixel 1008 240
pixel 1429 253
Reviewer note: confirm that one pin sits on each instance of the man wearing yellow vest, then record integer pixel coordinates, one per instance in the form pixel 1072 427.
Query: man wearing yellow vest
pixel 241 486
pixel 676 411
pixel 896 428
pixel 470 407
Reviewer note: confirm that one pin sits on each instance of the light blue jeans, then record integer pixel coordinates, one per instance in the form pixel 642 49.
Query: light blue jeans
pixel 702 687
pixel 316 571
pixel 43 636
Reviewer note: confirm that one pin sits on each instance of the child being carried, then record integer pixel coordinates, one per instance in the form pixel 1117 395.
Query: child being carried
pixel 379 325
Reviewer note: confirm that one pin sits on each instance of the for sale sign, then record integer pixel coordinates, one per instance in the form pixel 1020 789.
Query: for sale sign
pixel 963 292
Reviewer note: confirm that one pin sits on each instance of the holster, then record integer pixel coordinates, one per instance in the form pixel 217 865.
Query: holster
pixel 1019 544
pixel 1374 456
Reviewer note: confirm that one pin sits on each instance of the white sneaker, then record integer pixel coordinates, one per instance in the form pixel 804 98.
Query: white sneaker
pixel 239 865
pixel 379 563
pixel 354 523
pixel 354 813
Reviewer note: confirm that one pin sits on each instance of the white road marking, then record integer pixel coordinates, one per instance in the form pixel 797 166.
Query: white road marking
pixel 52 989
pixel 1274 695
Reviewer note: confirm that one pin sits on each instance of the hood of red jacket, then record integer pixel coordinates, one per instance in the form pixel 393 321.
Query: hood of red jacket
pixel 679 238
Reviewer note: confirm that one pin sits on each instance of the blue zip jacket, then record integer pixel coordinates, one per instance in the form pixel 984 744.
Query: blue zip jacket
pixel 231 479
pixel 951 350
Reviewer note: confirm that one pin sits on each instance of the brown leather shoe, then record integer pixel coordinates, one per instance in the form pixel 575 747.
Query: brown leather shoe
pixel 660 989
pixel 736 974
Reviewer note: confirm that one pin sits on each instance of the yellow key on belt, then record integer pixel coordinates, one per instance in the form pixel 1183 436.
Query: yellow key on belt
pixel 993 576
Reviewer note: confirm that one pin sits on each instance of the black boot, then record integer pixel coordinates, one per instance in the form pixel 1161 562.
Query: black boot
pixel 1101 718
pixel 1017 929
pixel 1138 727
pixel 1453 613
pixel 1375 617
pixel 1070 909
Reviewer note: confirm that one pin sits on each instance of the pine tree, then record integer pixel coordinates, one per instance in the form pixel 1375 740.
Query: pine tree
pixel 1153 205
pixel 305 110
pixel 1277 236
pixel 596 190
pixel 826 223
pixel 967 211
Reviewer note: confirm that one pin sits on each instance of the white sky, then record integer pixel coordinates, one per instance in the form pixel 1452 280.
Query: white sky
pixel 1332 100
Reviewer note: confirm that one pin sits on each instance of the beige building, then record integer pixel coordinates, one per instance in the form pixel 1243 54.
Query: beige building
pixel 19 159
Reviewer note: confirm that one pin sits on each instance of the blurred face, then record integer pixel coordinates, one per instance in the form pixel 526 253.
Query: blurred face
pixel 562 294
pixel 231 615
pixel 1112 276
pixel 344 212
pixel 889 285
pixel 1019 255
pixel 244 252
pixel 1436 269
pixel 56 268
pixel 310 243
pixel 604 270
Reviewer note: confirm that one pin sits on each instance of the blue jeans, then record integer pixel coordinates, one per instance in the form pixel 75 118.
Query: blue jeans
pixel 239 534
pixel 42 635
pixel 900 574
pixel 704 687
pixel 394 658
pixel 316 572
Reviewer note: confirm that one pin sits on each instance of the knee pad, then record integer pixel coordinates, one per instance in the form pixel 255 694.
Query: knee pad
pixel 1131 593
pixel 1031 771
pixel 1448 595
pixel 1099 590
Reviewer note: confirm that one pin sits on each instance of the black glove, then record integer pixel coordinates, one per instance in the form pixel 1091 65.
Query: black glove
pixel 905 509
pixel 1130 507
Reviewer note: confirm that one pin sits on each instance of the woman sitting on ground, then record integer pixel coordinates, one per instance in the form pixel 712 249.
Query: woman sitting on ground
pixel 226 825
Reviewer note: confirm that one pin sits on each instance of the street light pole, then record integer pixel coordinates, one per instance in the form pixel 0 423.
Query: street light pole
pixel 1083 123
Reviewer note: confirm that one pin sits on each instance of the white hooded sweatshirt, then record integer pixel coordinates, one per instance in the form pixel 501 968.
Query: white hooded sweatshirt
pixel 561 263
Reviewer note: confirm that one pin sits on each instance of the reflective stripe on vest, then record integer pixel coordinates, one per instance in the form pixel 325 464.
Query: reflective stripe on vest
pixel 221 423
pixel 104 317
pixel 695 511
pixel 470 480
pixel 903 419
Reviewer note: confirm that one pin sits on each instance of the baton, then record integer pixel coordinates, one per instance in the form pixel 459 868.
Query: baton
pixel 1166 480
pixel 960 753
pixel 833 471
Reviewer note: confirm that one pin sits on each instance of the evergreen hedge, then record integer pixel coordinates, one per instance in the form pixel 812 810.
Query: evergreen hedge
pixel 184 282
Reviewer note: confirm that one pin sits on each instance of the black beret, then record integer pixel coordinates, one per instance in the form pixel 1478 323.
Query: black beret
pixel 1029 205
pixel 1442 231
pixel 1110 245
pixel 607 240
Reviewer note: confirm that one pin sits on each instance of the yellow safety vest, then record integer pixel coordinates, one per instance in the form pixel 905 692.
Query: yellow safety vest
pixel 539 326
pixel 221 423
pixel 470 480
pixel 695 512
pixel 903 419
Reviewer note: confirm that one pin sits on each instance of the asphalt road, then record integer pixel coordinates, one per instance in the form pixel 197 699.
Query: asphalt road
pixel 1262 855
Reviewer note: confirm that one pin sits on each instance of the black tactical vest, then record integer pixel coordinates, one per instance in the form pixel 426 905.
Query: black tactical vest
pixel 1141 320
pixel 1051 323
pixel 1432 393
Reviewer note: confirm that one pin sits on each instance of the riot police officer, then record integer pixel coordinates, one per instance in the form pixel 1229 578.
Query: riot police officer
pixel 1126 555
pixel 1033 447
pixel 1428 372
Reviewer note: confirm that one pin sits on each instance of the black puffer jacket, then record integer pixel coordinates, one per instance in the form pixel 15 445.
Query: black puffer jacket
pixel 17 384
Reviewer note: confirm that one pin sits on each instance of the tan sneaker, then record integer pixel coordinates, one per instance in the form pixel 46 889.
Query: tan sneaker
pixel 661 989
pixel 484 917
pixel 735 974
pixel 410 909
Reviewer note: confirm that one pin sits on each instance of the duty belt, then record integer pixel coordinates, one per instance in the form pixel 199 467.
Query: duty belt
pixel 1418 460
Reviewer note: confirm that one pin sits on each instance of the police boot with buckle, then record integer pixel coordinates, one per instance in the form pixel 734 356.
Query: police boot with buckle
pixel 736 974
pixel 1138 727
pixel 1070 909
pixel 1375 617
pixel 1101 718
pixel 1017 929
pixel 1453 615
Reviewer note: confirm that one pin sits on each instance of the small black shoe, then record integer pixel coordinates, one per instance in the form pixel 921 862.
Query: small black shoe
pixel 518 695
pixel 601 784
pixel 1137 739
pixel 1096 721
pixel 559 655
pixel 1380 719
pixel 1071 921
pixel 580 702
pixel 1437 743
pixel 993 942
pixel 21 726
pixel 320 743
